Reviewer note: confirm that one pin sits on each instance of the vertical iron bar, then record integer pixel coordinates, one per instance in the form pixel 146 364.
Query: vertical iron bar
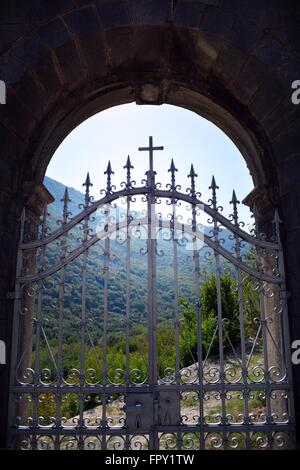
pixel 176 305
pixel 197 287
pixel 128 265
pixel 38 325
pixel 267 390
pixel 243 344
pixel 82 333
pixel 220 331
pixel 243 352
pixel 60 351
pixel 15 332
pixel 104 422
pixel 224 420
pixel 285 324
pixel 58 423
pixel 127 349
pixel 176 297
pixel 152 360
pixel 266 359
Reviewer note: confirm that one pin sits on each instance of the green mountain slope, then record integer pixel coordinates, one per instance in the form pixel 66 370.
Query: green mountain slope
pixel 117 277
pixel 117 281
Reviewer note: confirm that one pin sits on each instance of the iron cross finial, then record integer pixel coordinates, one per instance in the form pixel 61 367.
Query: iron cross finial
pixel 150 149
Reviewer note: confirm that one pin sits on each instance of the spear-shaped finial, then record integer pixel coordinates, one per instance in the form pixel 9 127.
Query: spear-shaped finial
pixel 87 182
pixel 108 172
pixel 128 167
pixel 66 198
pixel 214 188
pixel 192 172
pixel 172 169
pixel 65 201
pixel 213 184
pixel 87 185
pixel 192 175
pixel 234 201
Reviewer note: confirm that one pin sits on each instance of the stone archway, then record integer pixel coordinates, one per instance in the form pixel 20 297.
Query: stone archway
pixel 232 62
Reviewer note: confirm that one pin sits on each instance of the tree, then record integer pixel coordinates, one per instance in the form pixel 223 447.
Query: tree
pixel 251 296
pixel 209 310
pixel 229 306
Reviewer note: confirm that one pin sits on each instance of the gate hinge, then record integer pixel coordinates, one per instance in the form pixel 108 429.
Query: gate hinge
pixel 284 294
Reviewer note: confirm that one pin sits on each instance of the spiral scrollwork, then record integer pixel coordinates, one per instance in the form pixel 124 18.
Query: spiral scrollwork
pixel 115 443
pixel 236 441
pixel 26 377
pixel 117 377
pixel 137 377
pixel 214 441
pixel 72 377
pixel 168 441
pixel 92 376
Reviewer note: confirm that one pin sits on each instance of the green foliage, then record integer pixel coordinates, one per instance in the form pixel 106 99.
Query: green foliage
pixel 165 347
pixel 251 297
pixel 209 311
pixel 229 308
pixel 188 333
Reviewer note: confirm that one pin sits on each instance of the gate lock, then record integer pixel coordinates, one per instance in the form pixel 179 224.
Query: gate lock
pixel 144 410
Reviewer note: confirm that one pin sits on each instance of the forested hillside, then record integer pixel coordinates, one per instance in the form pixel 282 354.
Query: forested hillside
pixel 117 272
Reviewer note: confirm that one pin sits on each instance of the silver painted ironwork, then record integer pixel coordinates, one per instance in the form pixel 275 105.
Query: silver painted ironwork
pixel 219 392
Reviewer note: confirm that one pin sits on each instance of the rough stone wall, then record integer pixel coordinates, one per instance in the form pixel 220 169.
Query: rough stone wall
pixel 232 61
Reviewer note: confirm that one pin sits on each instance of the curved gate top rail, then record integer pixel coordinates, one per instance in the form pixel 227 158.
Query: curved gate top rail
pixel 143 350
pixel 152 190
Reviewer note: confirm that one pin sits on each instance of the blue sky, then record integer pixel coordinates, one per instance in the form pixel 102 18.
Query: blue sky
pixel 188 138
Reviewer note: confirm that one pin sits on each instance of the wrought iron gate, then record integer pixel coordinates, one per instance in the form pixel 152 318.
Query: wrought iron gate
pixel 99 362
